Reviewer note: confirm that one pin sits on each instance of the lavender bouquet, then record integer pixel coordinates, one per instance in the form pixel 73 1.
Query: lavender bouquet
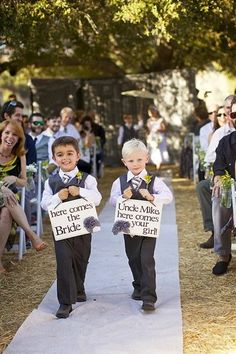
pixel 121 226
pixel 90 223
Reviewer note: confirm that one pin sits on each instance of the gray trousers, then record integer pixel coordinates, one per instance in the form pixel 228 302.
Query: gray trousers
pixel 204 196
pixel 223 224
pixel 140 253
pixel 72 256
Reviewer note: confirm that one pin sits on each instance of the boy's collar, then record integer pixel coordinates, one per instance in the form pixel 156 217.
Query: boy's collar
pixel 142 174
pixel 71 173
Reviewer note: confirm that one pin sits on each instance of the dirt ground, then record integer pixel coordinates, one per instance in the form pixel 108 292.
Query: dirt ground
pixel 208 302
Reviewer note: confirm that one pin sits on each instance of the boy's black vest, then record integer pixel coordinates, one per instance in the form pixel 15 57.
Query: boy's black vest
pixel 136 195
pixel 56 184
pixel 129 133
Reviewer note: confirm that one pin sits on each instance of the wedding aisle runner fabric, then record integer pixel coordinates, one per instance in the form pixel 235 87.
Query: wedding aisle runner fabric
pixel 110 322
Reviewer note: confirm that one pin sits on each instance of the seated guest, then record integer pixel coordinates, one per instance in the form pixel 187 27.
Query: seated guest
pixel 219 120
pixel 222 216
pixel 37 128
pixel 207 128
pixel 204 192
pixel 13 110
pixel 13 175
pixel 67 116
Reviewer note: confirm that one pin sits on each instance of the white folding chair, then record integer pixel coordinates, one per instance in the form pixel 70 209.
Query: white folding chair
pixel 234 211
pixel 94 162
pixel 37 200
pixel 22 242
pixel 39 228
pixel 195 158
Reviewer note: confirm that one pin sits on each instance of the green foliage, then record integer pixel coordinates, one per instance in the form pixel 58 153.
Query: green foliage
pixel 118 36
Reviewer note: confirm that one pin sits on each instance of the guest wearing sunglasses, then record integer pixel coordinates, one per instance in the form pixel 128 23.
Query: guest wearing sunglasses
pixel 205 132
pixel 208 128
pixel 37 126
pixel 218 121
pixel 204 192
pixel 222 217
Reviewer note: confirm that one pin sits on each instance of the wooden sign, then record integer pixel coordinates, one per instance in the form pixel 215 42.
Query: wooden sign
pixel 74 218
pixel 137 217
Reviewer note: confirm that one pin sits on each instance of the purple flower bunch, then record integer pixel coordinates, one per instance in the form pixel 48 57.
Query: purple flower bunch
pixel 121 226
pixel 90 223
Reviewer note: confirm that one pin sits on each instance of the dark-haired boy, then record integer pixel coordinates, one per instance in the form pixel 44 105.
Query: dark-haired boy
pixel 72 254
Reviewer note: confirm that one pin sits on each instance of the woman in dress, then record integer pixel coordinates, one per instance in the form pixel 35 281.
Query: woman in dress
pixel 156 139
pixel 13 175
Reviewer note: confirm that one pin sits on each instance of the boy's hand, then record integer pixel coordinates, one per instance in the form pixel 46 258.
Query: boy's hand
pixel 145 194
pixel 63 194
pixel 127 193
pixel 74 191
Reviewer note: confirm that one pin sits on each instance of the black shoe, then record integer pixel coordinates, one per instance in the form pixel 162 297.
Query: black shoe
pixel 81 297
pixel 28 244
pixel 136 295
pixel 221 267
pixel 64 311
pixel 148 306
pixel 209 243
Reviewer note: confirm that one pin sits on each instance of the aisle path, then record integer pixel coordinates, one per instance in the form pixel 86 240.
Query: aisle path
pixel 110 322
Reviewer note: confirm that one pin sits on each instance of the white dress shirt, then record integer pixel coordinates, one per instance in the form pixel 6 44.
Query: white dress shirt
pixel 90 191
pixel 216 137
pixel 204 133
pixel 161 192
pixel 36 137
pixel 70 130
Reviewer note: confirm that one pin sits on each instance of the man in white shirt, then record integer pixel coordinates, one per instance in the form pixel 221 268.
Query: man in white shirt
pixel 203 189
pixel 207 128
pixel 67 115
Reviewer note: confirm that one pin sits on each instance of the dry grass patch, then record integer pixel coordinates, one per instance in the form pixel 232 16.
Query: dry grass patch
pixel 208 302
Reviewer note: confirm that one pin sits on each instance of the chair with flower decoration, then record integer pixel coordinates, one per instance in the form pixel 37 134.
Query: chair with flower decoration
pixel 36 201
pixel 233 192
pixel 22 240
pixel 39 222
pixel 93 153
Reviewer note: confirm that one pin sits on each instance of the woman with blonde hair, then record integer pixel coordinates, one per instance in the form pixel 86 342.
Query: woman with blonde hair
pixel 13 175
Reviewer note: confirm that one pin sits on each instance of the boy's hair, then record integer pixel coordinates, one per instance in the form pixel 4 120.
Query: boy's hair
pixel 133 145
pixel 63 141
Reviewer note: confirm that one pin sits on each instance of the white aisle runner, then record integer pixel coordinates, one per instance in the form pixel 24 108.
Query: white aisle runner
pixel 110 322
